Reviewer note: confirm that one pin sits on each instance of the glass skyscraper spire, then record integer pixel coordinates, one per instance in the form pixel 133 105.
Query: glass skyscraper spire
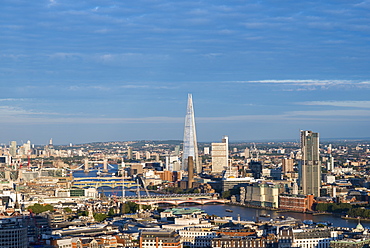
pixel 190 138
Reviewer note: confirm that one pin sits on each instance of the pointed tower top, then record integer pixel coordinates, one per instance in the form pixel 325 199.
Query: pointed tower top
pixel 190 147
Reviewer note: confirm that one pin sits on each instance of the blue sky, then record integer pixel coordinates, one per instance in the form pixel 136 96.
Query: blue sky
pixel 82 71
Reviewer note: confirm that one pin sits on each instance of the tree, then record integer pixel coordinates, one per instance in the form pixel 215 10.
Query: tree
pixel 83 213
pixel 226 194
pixel 38 208
pixel 111 212
pixel 67 210
pixel 132 207
pixel 322 207
pixel 48 207
pixel 99 217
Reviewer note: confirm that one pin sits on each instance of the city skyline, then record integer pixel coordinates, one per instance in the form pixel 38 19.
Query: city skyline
pixel 107 70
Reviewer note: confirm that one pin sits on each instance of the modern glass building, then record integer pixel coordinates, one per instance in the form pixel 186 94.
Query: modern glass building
pixel 190 139
pixel 13 234
pixel 310 166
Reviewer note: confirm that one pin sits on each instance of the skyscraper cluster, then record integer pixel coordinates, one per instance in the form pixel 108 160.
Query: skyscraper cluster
pixel 309 166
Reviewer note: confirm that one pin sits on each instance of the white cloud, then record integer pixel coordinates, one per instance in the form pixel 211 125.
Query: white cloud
pixel 11 99
pixel 18 115
pixel 64 55
pixel 354 104
pixel 52 3
pixel 305 82
pixel 88 87
pixel 310 84
pixel 331 113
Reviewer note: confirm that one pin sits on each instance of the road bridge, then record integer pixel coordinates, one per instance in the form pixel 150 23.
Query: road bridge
pixel 175 196
pixel 96 182
pixel 177 202
pixel 177 199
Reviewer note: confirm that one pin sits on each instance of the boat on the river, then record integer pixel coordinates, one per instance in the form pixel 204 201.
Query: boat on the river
pixel 229 210
pixel 308 222
pixel 265 215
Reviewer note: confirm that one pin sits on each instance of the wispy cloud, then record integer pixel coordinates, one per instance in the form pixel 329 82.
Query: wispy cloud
pixel 306 82
pixel 52 3
pixel 327 113
pixel 89 87
pixel 19 115
pixel 310 84
pixel 65 55
pixel 11 99
pixel 354 104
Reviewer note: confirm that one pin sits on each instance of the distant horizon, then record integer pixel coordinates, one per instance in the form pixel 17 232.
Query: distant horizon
pixel 206 142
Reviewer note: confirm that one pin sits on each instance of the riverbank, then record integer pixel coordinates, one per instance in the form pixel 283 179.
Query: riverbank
pixel 250 206
pixel 277 210
pixel 355 218
pixel 255 214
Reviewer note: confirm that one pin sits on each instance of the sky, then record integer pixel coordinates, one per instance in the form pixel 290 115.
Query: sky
pixel 85 71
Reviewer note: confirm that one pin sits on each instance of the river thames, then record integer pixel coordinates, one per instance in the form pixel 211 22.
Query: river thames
pixel 252 214
pixel 249 214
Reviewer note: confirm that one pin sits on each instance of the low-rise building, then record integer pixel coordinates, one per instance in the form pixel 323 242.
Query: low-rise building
pixel 160 239
pixel 262 195
pixel 239 242
pixel 306 237
pixel 298 203
pixel 359 242
pixel 197 237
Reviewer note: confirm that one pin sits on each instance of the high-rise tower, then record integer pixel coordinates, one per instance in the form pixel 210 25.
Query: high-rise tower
pixel 13 148
pixel 190 139
pixel 220 155
pixel 310 167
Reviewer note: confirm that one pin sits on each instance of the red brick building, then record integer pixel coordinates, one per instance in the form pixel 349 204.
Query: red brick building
pixel 298 203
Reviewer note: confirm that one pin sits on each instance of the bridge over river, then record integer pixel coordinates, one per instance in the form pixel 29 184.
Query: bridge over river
pixel 151 199
pixel 177 199
pixel 96 182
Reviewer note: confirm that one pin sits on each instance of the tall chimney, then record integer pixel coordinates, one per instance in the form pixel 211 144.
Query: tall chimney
pixel 190 172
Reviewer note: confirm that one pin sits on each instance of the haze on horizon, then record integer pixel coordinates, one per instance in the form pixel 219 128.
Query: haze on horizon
pixel 114 70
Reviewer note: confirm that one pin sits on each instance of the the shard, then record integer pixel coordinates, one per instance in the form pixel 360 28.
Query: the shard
pixel 190 139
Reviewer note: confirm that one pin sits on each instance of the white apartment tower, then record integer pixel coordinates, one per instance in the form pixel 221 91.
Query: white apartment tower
pixel 220 155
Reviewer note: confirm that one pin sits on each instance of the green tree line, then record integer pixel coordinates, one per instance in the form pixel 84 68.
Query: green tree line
pixel 333 207
pixel 38 208
pixel 359 212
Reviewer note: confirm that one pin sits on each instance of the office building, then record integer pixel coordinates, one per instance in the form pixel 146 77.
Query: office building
pixel 330 163
pixel 262 195
pixel 288 164
pixel 13 234
pixel 297 203
pixel 206 150
pixel 160 239
pixel 13 148
pixel 256 168
pixel 220 155
pixel 190 139
pixel 129 153
pixel 307 237
pixel 247 153
pixel 310 166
